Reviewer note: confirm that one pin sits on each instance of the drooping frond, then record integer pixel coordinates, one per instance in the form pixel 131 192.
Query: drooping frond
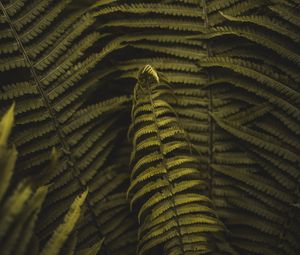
pixel 48 58
pixel 254 93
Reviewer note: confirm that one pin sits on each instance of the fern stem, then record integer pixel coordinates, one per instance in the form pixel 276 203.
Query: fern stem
pixel 65 147
pixel 211 124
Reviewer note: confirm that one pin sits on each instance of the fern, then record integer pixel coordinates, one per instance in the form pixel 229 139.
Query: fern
pixel 248 77
pixel 52 52
pixel 271 186
pixel 234 68
pixel 20 210
pixel 167 186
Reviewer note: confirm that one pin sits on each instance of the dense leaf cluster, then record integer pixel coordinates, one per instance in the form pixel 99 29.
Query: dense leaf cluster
pixel 209 94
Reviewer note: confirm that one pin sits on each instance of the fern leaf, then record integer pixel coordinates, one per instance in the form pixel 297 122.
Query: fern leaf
pixel 161 177
pixel 54 245
pixel 92 250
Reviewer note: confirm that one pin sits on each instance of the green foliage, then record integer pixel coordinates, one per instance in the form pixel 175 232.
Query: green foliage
pixel 168 187
pixel 20 209
pixel 48 60
pixel 232 113
pixel 262 66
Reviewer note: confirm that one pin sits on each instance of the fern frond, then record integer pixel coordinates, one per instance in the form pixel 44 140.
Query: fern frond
pixel 52 51
pixel 93 250
pixel 163 172
pixel 21 209
pixel 54 245
pixel 271 24
pixel 219 145
pixel 260 38
pixel 145 8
